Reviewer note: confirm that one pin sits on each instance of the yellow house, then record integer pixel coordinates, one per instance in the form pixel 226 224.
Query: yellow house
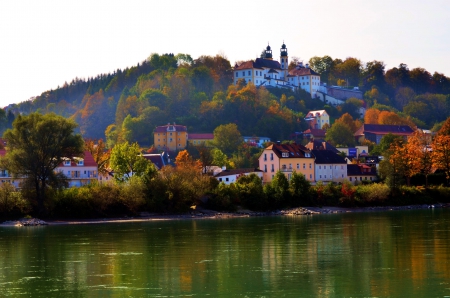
pixel 317 119
pixel 286 158
pixel 197 139
pixel 170 137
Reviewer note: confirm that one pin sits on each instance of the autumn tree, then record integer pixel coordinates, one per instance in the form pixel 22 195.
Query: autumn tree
pixel 419 145
pixel 441 154
pixel 127 161
pixel 405 158
pixel 97 148
pixel 227 138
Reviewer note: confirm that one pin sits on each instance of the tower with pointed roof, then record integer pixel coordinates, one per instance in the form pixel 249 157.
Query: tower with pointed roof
pixel 268 53
pixel 284 60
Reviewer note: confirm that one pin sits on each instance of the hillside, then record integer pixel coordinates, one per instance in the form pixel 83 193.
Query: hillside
pixel 128 104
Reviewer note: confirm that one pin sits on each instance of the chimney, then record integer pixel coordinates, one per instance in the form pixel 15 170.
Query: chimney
pixel 307 65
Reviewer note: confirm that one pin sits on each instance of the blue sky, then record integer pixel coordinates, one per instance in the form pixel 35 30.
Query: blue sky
pixel 45 43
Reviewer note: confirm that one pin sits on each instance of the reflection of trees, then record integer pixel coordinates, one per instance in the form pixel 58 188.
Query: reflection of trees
pixel 388 254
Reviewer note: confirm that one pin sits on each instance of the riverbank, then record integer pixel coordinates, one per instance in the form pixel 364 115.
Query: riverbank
pixel 201 213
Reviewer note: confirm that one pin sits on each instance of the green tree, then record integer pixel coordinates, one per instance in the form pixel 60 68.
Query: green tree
pixel 126 161
pixel 227 138
pixel 299 188
pixel 37 144
pixel 340 134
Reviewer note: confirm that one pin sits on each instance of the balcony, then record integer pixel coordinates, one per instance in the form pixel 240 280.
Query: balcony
pixel 286 169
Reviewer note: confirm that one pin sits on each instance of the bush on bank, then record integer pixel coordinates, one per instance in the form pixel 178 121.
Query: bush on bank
pixel 175 190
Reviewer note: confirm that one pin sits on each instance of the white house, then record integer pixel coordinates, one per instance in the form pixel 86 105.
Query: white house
pixel 270 73
pixel 231 176
pixel 256 141
pixel 329 166
pixel 79 171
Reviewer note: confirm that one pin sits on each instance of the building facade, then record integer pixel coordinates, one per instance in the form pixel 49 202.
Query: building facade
pixel 271 73
pixel 329 166
pixel 317 119
pixel 170 137
pixel 286 158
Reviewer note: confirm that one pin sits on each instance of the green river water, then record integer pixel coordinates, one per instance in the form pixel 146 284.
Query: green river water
pixel 389 254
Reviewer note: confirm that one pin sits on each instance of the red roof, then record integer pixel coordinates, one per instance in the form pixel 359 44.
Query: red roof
pixel 201 136
pixel 170 127
pixel 302 72
pixel 88 159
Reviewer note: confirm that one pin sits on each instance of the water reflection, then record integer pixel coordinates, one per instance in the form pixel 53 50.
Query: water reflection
pixel 394 254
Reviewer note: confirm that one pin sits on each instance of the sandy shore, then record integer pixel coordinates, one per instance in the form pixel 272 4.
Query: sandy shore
pixel 201 213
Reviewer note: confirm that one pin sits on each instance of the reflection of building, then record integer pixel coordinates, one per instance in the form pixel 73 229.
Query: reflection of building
pixel 170 137
pixel 270 73
pixel 286 158
pixel 317 119
pixel 375 132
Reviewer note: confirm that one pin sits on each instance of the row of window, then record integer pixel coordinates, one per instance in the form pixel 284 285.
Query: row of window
pixel 79 163
pixel 331 167
pixel 360 178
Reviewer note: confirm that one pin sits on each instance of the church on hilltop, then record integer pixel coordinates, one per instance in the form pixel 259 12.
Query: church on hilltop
pixel 275 74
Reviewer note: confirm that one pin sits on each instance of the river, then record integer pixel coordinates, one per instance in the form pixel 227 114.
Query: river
pixel 382 254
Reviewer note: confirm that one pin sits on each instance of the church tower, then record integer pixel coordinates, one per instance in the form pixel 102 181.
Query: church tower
pixel 268 53
pixel 284 60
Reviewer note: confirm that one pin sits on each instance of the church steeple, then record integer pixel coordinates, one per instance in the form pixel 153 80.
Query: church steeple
pixel 284 60
pixel 268 53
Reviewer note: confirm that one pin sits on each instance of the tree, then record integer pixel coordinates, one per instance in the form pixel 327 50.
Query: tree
pixel 126 161
pixel 340 135
pixel 99 153
pixel 227 138
pixel 37 144
pixel 441 154
pixel 300 189
pixel 405 158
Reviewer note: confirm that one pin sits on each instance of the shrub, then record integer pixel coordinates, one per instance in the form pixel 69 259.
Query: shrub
pixel 372 194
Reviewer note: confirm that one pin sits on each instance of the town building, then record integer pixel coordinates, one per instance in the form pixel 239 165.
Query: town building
pixel 198 139
pixel 256 141
pixel 170 137
pixel 231 176
pixel 329 166
pixel 375 132
pixel 286 158
pixel 317 119
pixel 271 73
pixel 361 172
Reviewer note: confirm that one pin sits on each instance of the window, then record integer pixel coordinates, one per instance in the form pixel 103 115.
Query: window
pixel 249 72
pixel 170 140
pixel 237 74
pixel 320 167
pixel 265 168
pixel 320 176
pixel 67 162
pixel 271 156
pixel 325 177
pixel 350 178
pixel 298 166
pixel 220 179
pixel 227 179
pixel 265 157
pixel 310 176
pixel 273 169
pixel 81 162
pixel 243 73
pixel 310 166
pixel 304 165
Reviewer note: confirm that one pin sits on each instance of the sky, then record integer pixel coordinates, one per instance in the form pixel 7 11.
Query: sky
pixel 46 43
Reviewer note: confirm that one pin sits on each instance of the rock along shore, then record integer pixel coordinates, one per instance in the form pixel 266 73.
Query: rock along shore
pixel 201 213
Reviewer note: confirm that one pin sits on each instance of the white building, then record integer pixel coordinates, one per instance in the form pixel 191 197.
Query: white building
pixel 270 73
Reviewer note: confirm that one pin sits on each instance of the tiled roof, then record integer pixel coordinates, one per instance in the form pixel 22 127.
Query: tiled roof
pixel 302 72
pixel 316 132
pixel 201 136
pixel 294 150
pixel 259 63
pixel 171 127
pixel 313 113
pixel 327 157
pixel 237 172
pixel 384 129
pixel 356 170
pixel 319 144
pixel 88 161
pixel 156 159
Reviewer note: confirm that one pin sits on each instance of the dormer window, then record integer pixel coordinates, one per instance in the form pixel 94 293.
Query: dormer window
pixel 67 162
pixel 307 155
pixel 80 162
pixel 285 154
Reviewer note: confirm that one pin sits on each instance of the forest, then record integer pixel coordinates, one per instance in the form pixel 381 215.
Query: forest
pixel 126 105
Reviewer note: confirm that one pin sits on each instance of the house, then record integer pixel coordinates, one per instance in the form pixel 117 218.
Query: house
pixel 256 141
pixel 361 172
pixel 231 176
pixel 79 171
pixel 355 152
pixel 286 158
pixel 320 144
pixel 160 160
pixel 317 119
pixel 314 133
pixel 170 137
pixel 197 139
pixel 270 73
pixel 329 166
pixel 375 132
